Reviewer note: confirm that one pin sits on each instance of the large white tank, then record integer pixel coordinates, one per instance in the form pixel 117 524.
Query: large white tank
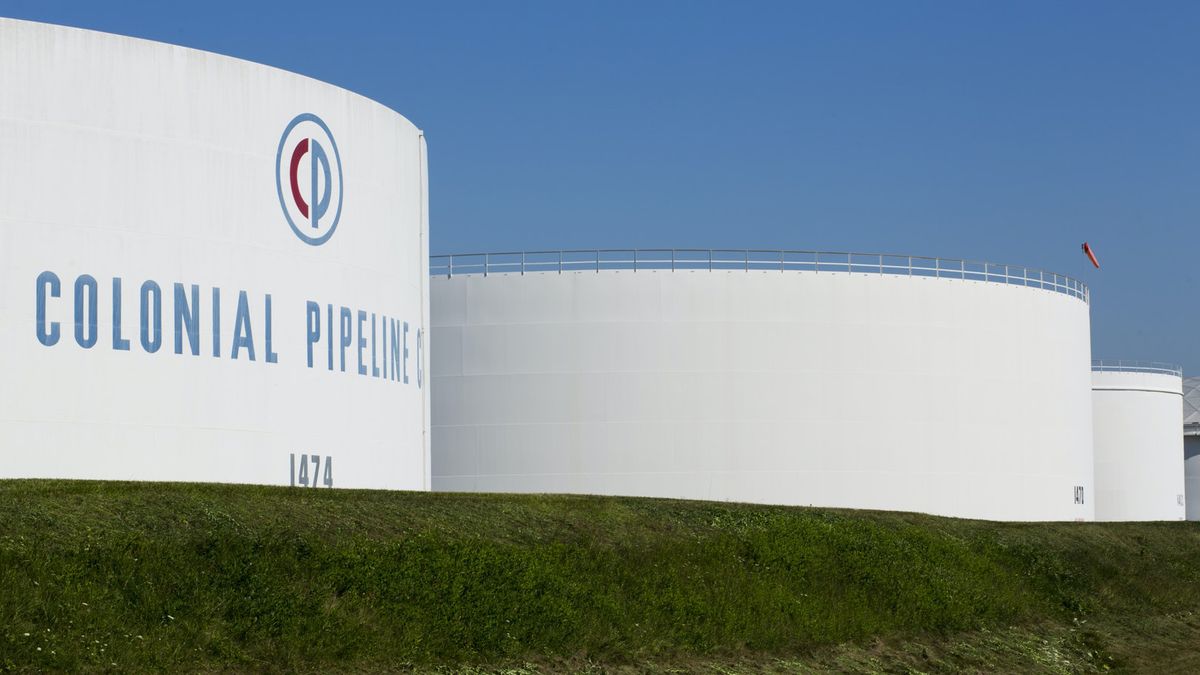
pixel 1191 446
pixel 210 270
pixel 879 382
pixel 1139 449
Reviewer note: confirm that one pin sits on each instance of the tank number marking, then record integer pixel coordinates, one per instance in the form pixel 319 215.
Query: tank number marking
pixel 300 474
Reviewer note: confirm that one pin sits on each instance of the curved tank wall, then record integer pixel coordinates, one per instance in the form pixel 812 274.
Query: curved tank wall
pixel 946 396
pixel 1137 421
pixel 1191 473
pixel 184 292
pixel 1191 446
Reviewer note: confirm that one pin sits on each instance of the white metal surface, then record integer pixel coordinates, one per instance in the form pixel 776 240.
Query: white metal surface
pixel 866 390
pixel 1139 449
pixel 1191 445
pixel 1191 472
pixel 148 165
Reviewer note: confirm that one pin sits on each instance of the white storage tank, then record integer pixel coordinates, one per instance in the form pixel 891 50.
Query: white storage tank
pixel 843 380
pixel 1191 446
pixel 210 270
pixel 1139 450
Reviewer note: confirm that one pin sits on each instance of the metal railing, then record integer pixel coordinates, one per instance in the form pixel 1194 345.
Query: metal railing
pixel 589 260
pixel 1126 366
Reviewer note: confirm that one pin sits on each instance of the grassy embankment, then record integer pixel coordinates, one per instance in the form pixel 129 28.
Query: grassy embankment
pixel 125 576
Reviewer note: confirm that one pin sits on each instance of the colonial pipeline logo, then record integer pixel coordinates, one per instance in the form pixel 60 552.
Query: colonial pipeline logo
pixel 308 178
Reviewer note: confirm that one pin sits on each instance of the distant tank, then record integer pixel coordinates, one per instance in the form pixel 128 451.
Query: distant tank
pixel 1139 451
pixel 1191 445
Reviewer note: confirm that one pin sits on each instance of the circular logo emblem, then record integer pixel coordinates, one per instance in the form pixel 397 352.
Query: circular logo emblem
pixel 308 179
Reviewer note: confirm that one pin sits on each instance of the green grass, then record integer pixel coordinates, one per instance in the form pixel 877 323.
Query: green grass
pixel 129 576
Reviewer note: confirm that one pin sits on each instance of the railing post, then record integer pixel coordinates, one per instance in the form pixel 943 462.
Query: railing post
pixel 880 264
pixel 816 262
pixel 710 260
pixel 937 268
pixel 522 263
pixel 450 269
pixel 910 265
pixel 597 261
pixel 747 253
pixel 560 262
pixel 672 260
pixel 781 262
pixel 635 260
pixel 485 264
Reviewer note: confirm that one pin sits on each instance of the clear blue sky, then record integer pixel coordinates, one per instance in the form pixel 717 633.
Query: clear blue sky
pixel 1005 131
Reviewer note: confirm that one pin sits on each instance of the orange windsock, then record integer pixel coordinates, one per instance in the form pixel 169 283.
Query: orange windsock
pixel 1087 250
